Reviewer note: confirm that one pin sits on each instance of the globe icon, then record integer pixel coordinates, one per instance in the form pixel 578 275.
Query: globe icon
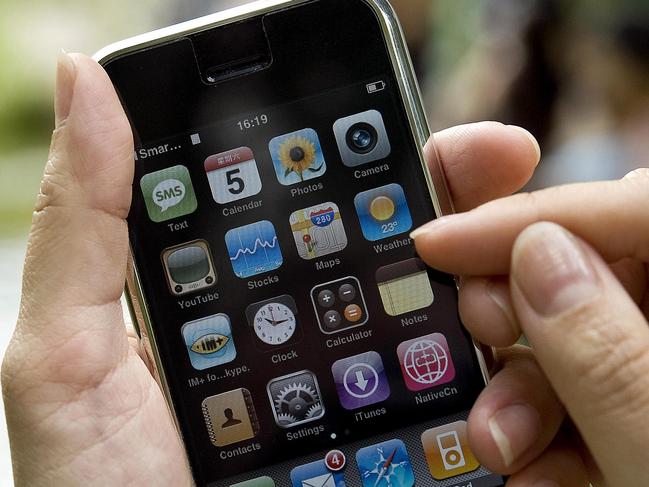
pixel 426 362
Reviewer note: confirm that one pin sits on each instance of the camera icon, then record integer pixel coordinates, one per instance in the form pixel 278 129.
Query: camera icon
pixel 362 138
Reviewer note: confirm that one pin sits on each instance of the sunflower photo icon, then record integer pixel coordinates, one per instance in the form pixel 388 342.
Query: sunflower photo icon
pixel 297 157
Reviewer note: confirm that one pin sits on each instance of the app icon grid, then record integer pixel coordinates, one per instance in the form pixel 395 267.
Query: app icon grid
pixel 255 249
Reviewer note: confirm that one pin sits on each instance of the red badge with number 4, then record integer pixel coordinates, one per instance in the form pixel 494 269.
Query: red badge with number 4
pixel 335 460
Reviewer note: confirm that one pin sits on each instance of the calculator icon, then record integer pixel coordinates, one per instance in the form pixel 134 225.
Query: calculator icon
pixel 233 175
pixel 339 305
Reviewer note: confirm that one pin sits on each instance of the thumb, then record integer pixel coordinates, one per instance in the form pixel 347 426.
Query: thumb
pixel 77 252
pixel 592 342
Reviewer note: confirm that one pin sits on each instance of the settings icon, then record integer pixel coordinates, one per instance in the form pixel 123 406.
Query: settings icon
pixel 295 399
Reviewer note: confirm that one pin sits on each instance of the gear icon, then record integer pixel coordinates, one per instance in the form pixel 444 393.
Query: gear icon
pixel 296 399
pixel 315 411
pixel 286 419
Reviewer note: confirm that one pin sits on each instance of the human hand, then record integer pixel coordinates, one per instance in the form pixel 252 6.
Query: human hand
pixel 82 405
pixel 582 306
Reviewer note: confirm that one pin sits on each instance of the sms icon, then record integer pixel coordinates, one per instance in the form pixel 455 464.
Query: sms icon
pixel 168 194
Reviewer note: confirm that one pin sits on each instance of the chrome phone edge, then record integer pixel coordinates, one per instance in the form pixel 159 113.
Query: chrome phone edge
pixel 174 32
pixel 411 93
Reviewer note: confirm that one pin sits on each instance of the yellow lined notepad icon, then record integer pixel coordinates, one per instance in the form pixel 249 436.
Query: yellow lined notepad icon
pixel 404 287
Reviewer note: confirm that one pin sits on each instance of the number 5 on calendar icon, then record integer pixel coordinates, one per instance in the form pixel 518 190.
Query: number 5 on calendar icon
pixel 233 175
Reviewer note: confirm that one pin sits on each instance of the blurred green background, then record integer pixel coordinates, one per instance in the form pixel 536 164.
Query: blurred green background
pixel 31 35
pixel 573 72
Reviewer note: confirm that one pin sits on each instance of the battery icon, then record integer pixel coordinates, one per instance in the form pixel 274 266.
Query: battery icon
pixel 375 87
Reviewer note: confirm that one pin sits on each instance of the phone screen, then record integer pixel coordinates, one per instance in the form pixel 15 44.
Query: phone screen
pixel 303 341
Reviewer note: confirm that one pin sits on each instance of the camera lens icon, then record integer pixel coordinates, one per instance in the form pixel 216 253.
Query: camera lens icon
pixel 362 138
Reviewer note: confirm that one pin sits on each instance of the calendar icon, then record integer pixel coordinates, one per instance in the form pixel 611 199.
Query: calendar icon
pixel 233 175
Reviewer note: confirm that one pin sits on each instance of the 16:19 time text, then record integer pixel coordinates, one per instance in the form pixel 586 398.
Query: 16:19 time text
pixel 253 122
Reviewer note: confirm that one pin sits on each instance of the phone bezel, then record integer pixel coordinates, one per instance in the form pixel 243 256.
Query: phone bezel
pixel 418 127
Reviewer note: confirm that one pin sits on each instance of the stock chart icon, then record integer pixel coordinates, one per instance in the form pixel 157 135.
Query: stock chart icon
pixel 253 249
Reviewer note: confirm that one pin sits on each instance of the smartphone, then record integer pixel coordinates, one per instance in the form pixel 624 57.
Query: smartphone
pixel 279 170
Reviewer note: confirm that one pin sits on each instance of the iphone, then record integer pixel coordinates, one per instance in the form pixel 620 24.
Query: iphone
pixel 279 171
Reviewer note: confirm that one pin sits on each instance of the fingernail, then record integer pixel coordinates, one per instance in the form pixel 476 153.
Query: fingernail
pixel 514 429
pixel 535 143
pixel 552 270
pixel 66 73
pixel 434 225
pixel 500 296
pixel 637 173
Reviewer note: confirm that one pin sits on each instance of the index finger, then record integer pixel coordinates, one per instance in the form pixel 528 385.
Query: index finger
pixel 610 215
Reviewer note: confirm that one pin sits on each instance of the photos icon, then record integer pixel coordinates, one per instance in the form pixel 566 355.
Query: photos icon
pixel 297 157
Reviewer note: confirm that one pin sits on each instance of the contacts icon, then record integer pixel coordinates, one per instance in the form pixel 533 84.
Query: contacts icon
pixel 230 417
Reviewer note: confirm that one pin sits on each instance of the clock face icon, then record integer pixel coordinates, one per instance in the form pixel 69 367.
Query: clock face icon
pixel 273 321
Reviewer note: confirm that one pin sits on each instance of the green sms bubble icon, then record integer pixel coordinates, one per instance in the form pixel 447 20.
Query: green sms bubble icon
pixel 168 194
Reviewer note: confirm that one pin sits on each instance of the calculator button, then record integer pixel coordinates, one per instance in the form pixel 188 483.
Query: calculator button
pixel 339 305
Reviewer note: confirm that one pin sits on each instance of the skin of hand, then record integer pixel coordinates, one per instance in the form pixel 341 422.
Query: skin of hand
pixel 567 267
pixel 82 405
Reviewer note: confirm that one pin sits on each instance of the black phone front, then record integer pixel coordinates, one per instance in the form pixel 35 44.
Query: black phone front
pixel 301 338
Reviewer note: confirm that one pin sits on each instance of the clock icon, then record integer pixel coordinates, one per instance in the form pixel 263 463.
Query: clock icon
pixel 273 321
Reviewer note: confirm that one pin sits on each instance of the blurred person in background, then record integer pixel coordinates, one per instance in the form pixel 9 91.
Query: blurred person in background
pixel 495 62
pixel 574 74
pixel 608 81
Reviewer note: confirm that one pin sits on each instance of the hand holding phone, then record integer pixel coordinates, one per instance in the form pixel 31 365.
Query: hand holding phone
pixel 86 82
pixel 279 290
